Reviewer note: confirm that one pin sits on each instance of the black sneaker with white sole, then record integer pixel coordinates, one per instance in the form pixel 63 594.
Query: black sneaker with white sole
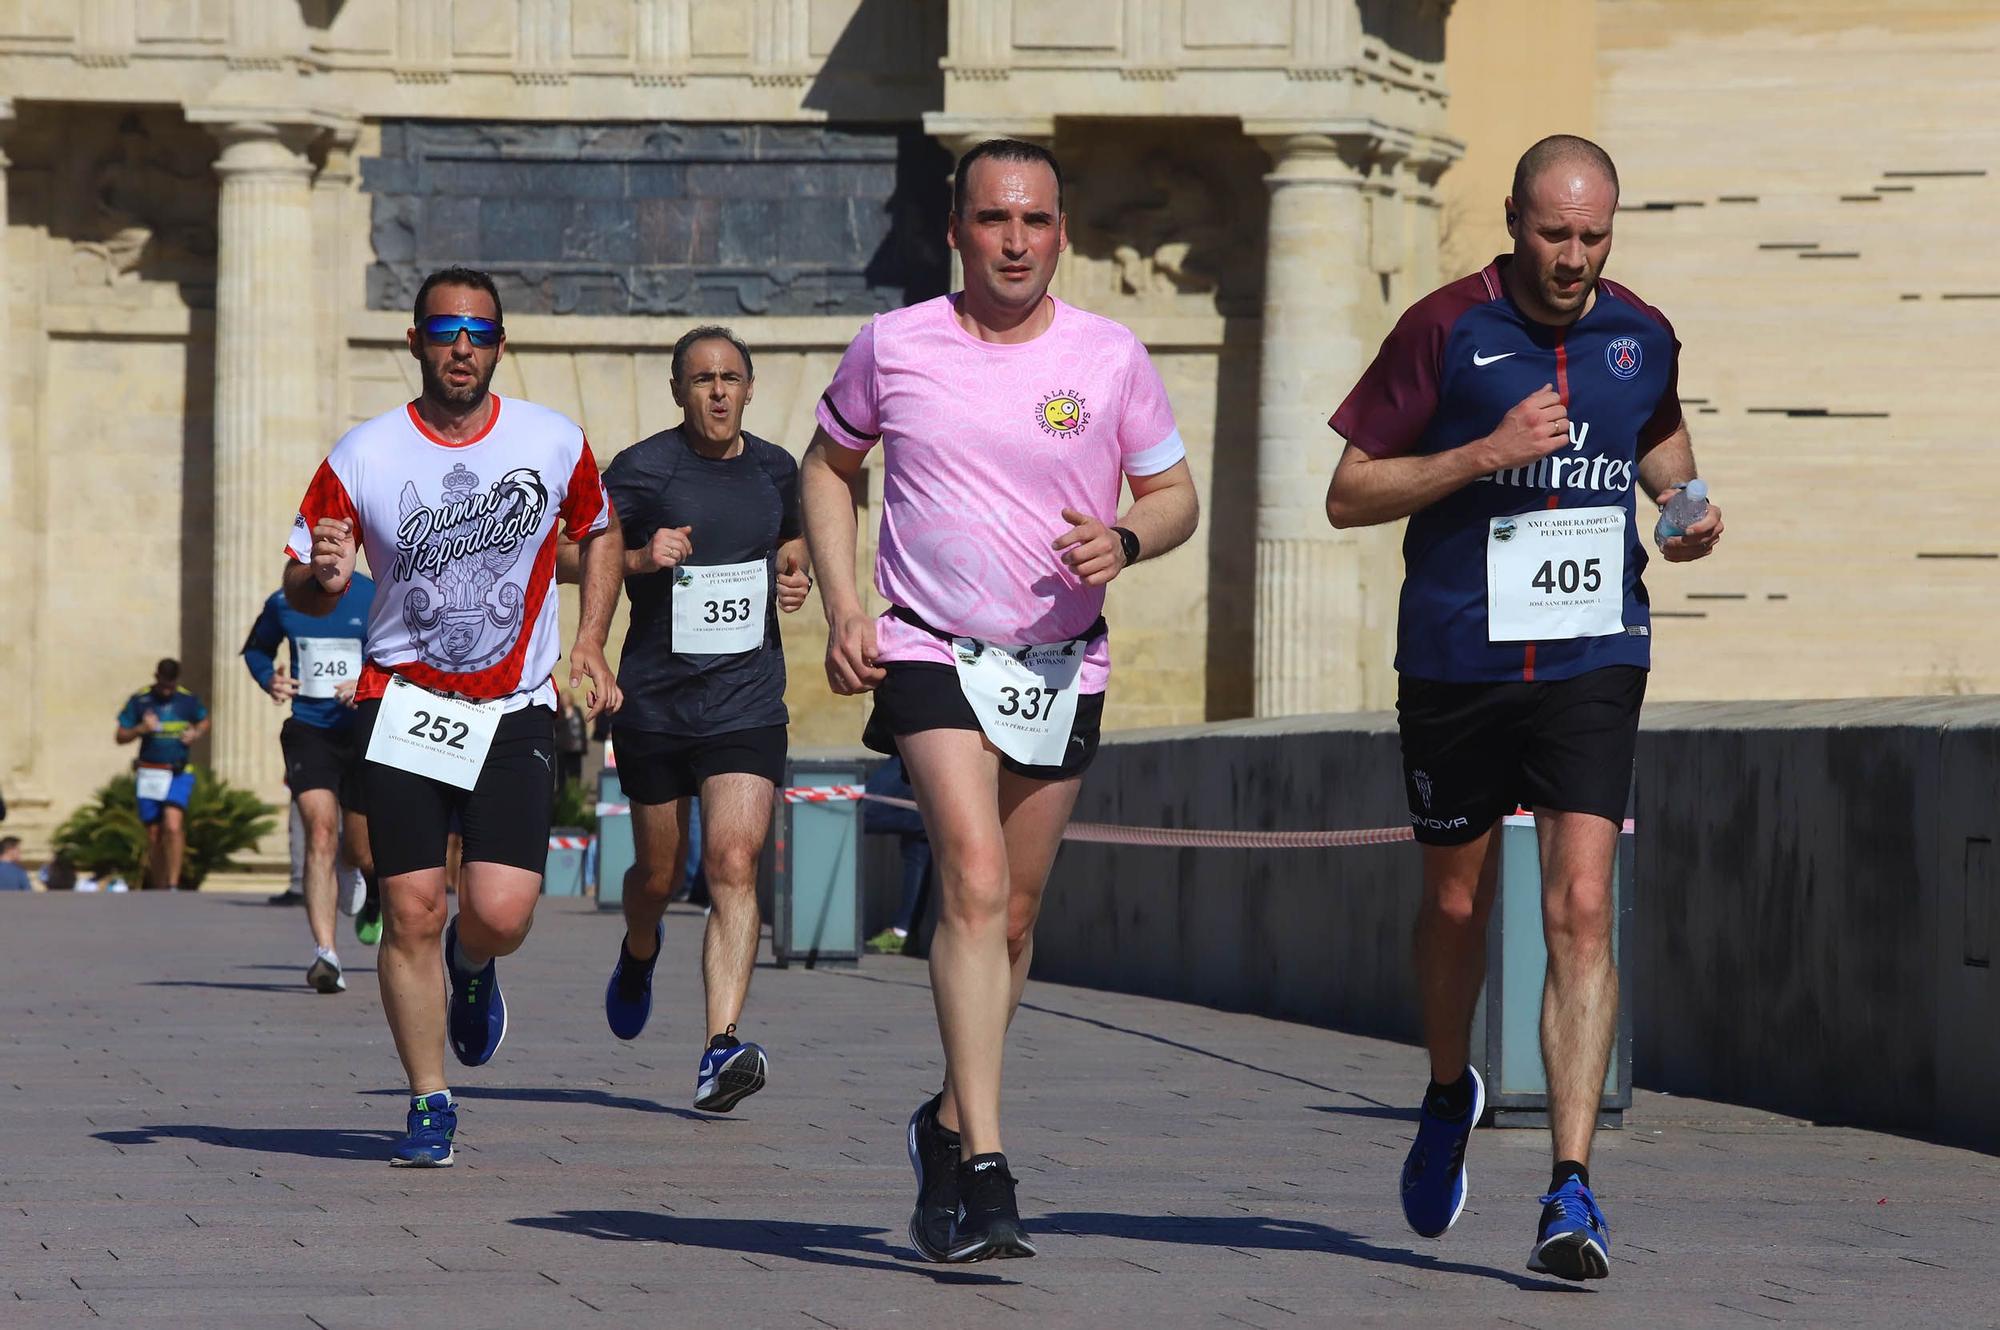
pixel 934 1158
pixel 989 1225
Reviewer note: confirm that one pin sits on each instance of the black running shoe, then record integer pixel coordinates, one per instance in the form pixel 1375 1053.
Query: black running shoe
pixel 988 1224
pixel 934 1157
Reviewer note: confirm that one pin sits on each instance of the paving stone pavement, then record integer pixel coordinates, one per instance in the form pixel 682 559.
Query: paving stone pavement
pixel 189 1136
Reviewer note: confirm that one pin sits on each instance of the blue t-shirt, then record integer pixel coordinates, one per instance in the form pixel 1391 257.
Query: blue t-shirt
pixel 13 877
pixel 1456 363
pixel 279 622
pixel 176 712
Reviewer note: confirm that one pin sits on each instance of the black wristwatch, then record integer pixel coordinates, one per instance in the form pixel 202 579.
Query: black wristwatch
pixel 1129 541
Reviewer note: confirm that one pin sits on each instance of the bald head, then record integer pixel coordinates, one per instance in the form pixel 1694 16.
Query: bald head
pixel 1562 152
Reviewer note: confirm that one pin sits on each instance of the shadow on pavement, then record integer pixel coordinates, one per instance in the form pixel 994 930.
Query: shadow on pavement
pixel 553 1094
pixel 847 1245
pixel 300 987
pixel 1260 1233
pixel 1368 1110
pixel 312 1142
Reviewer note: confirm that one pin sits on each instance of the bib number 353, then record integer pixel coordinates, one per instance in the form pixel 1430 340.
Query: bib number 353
pixel 428 734
pixel 720 609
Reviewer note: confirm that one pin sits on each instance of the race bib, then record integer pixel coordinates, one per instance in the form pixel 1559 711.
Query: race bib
pixel 1024 697
pixel 444 738
pixel 326 662
pixel 1555 575
pixel 719 610
pixel 155 782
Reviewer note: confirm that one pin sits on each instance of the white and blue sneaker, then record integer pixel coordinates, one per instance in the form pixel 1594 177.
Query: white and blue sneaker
pixel 730 1073
pixel 1575 1238
pixel 433 1122
pixel 1434 1187
pixel 477 1017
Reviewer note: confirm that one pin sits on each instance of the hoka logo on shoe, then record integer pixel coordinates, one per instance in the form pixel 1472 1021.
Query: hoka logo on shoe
pixel 983 1167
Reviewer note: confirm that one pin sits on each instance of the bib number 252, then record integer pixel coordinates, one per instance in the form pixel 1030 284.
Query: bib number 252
pixel 1568 576
pixel 726 611
pixel 439 730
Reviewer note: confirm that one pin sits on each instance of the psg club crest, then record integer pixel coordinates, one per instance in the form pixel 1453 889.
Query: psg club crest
pixel 1624 357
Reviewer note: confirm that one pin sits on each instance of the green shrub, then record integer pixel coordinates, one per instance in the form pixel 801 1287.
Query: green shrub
pixel 105 836
pixel 574 808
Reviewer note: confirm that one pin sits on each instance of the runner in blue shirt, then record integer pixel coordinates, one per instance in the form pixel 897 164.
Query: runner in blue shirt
pixel 164 720
pixel 1510 416
pixel 321 765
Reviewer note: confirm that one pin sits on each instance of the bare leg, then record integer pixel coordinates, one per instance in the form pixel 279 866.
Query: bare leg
pixel 1580 993
pixel 1451 946
pixel 354 834
pixel 173 820
pixel 735 818
pixel 659 834
pixel 321 812
pixel 496 908
pixel 411 972
pixel 957 780
pixel 156 854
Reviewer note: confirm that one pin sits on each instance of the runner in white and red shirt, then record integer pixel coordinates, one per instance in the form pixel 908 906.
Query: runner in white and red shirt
pixel 458 499
pixel 1007 420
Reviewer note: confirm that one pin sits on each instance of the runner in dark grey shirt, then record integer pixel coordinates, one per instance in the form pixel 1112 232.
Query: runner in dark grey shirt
pixel 714 551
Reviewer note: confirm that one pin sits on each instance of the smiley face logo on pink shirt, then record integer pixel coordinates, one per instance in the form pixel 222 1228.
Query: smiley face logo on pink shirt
pixel 1061 414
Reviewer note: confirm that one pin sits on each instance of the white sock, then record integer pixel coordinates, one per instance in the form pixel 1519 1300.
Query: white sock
pixel 327 954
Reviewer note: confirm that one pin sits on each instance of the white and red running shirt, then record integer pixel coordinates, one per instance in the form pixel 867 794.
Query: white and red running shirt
pixel 461 540
pixel 983 446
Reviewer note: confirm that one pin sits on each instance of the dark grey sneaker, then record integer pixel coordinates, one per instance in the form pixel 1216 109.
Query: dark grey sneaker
pixel 934 1157
pixel 989 1225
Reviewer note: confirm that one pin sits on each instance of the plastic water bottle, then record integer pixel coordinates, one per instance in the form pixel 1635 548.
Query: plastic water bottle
pixel 1686 508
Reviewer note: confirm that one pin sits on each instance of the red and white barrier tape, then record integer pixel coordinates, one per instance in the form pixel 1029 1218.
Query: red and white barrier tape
pixel 569 842
pixel 1109 833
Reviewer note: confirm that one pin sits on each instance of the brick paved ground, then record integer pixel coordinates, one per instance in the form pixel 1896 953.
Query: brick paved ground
pixel 189 1136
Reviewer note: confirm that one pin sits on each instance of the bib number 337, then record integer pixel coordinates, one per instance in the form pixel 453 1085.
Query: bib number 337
pixel 1556 575
pixel 1024 697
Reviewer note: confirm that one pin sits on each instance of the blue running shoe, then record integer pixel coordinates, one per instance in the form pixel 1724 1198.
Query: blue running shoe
pixel 730 1073
pixel 433 1122
pixel 478 1016
pixel 628 997
pixel 1434 1172
pixel 1575 1241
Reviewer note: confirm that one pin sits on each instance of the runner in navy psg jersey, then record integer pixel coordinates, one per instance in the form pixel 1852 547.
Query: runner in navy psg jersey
pixel 1511 416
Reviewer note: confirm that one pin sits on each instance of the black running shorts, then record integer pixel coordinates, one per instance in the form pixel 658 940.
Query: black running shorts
pixel 660 768
pixel 321 759
pixel 505 820
pixel 1472 752
pixel 923 695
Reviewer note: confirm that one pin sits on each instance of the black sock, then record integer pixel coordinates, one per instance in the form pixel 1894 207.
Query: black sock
pixel 1566 1169
pixel 1449 1102
pixel 374 886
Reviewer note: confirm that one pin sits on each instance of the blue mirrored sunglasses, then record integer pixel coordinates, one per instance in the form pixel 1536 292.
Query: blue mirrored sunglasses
pixel 443 329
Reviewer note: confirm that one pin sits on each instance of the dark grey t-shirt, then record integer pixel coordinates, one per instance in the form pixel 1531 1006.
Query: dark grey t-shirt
pixel 740 508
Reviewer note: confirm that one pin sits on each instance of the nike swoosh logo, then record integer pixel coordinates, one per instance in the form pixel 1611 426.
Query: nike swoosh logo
pixel 1478 359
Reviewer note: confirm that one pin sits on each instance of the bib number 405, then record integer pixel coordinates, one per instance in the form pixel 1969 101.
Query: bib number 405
pixel 440 730
pixel 1568 576
pixel 726 611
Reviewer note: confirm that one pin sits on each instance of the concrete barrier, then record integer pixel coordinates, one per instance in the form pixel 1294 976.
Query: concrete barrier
pixel 1816 897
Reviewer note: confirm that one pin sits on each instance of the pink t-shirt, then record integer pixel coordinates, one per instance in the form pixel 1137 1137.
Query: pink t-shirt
pixel 984 445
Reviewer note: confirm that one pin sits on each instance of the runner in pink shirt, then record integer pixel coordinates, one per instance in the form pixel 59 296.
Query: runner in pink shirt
pixel 1007 420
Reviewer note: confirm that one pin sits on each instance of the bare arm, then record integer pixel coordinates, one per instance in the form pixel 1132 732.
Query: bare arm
pixel 829 479
pixel 1368 491
pixel 631 563
pixel 1163 514
pixel 794 574
pixel 601 569
pixel 1665 468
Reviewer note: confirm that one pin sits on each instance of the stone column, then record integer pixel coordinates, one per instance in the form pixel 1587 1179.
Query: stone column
pixel 19 660
pixel 267 393
pixel 1325 599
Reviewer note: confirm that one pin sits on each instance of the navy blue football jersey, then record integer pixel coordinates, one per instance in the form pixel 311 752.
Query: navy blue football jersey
pixel 1552 548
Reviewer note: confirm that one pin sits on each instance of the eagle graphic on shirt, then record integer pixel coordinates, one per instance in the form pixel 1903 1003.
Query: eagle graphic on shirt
pixel 461 547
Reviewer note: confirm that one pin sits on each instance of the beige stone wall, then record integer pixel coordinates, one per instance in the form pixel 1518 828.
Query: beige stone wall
pixel 1832 170
pixel 1519 71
